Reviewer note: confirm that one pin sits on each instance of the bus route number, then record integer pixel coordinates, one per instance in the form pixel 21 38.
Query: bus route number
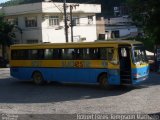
pixel 78 64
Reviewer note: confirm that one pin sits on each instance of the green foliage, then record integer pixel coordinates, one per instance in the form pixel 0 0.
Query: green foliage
pixel 5 29
pixel 12 2
pixel 146 14
pixel 148 42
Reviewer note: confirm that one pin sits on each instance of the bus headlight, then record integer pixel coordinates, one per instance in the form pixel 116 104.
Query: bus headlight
pixel 137 75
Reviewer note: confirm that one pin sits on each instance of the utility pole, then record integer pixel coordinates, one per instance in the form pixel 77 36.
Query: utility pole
pixel 65 20
pixel 71 20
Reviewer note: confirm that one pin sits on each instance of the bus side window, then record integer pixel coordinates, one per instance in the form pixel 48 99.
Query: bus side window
pixel 19 54
pixel 110 53
pixel 103 53
pixel 48 54
pixel 81 53
pixel 67 54
pixel 15 54
pixel 35 54
pixel 74 54
pixel 70 52
pixel 78 55
pixel 64 54
pixel 40 54
pixel 57 54
pixel 93 52
pixel 86 54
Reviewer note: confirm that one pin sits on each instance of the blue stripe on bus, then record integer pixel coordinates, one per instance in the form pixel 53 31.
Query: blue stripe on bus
pixel 142 72
pixel 67 74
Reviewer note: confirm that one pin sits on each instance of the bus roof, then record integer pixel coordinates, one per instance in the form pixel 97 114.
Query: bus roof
pixel 93 44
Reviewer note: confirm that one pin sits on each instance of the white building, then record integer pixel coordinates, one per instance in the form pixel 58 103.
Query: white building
pixel 44 22
pixel 120 27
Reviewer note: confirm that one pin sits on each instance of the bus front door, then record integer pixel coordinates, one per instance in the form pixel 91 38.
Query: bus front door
pixel 125 64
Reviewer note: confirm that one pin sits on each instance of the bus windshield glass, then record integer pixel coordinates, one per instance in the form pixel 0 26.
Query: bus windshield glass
pixel 139 54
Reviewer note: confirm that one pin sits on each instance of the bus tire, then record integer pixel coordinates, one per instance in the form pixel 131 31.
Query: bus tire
pixel 102 79
pixel 38 78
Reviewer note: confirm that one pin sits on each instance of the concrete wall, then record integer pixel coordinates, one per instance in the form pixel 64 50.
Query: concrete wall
pixel 45 33
pixel 28 33
pixel 49 7
pixel 81 31
pixel 124 31
pixel 100 26
pixel 118 20
pixel 23 9
pixel 121 24
pixel 130 31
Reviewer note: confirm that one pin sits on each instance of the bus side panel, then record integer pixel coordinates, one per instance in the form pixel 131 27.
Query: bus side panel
pixel 21 73
pixel 66 74
pixel 114 77
pixel 82 75
pixel 71 75
pixel 139 74
pixel 59 74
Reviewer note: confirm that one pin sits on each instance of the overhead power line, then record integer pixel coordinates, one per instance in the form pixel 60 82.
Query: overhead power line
pixel 57 7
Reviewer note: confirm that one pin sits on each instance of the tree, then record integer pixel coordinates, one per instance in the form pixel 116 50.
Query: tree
pixel 5 30
pixel 146 15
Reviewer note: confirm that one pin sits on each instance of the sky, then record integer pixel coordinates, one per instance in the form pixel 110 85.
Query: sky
pixel 2 1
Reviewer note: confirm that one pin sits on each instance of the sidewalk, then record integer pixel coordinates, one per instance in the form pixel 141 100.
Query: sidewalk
pixel 4 72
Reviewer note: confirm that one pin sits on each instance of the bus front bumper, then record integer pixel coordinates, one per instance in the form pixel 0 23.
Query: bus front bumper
pixel 139 80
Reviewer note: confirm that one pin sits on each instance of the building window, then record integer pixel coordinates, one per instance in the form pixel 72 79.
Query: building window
pixel 19 54
pixel 13 21
pixel 115 34
pixel 53 20
pixel 75 20
pixel 90 19
pixel 32 41
pixel 31 21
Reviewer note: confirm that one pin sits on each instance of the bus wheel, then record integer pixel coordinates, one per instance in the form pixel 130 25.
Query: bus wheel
pixel 103 80
pixel 37 78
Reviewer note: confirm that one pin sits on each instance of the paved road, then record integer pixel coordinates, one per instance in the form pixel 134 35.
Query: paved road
pixel 26 98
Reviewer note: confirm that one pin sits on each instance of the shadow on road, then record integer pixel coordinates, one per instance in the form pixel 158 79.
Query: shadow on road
pixel 13 91
pixel 154 79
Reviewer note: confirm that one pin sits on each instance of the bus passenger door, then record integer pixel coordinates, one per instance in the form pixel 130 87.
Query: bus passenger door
pixel 125 64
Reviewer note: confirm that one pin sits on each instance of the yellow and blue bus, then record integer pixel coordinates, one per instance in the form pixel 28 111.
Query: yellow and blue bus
pixel 105 62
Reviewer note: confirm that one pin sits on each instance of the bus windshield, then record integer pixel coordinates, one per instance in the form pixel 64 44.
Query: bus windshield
pixel 139 54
